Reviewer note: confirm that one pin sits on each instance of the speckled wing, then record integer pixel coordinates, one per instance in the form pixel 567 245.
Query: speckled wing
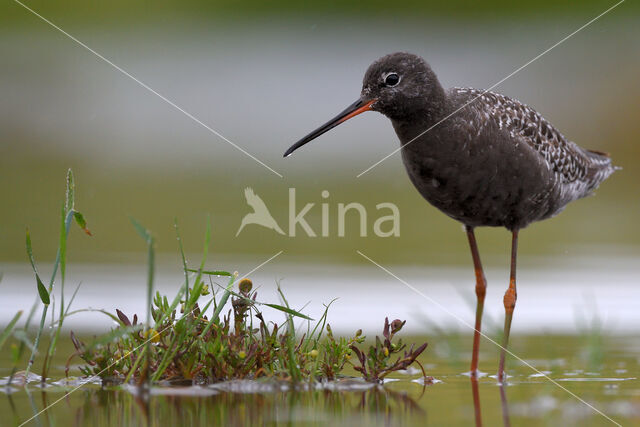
pixel 573 164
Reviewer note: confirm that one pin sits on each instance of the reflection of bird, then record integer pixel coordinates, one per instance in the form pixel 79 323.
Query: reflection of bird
pixel 480 157
pixel 260 214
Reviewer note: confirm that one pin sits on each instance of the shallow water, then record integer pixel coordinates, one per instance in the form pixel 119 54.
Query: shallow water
pixel 575 322
pixel 559 296
pixel 602 371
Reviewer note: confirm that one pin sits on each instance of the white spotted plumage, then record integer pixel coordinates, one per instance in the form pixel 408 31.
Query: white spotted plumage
pixel 579 171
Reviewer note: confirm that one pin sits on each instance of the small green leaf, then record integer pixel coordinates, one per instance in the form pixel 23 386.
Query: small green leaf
pixel 81 222
pixel 288 310
pixel 42 290
pixel 211 272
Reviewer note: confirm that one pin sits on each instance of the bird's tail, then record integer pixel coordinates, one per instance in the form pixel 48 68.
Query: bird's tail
pixel 601 168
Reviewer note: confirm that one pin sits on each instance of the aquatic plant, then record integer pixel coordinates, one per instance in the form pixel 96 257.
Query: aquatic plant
pixel 376 363
pixel 241 344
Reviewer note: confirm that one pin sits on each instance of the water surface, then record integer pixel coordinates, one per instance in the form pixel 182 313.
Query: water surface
pixel 600 370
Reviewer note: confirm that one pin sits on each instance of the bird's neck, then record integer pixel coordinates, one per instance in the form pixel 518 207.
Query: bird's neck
pixel 423 111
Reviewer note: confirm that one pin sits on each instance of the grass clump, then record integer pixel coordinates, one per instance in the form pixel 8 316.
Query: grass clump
pixel 192 339
pixel 189 347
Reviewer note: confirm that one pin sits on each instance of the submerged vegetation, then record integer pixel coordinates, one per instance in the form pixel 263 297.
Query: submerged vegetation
pixel 181 343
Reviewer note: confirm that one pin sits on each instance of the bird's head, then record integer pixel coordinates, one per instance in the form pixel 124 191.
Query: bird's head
pixel 400 85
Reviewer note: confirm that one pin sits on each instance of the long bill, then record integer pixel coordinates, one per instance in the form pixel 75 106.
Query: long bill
pixel 352 110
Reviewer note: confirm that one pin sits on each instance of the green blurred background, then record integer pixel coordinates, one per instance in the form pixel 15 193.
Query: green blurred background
pixel 264 74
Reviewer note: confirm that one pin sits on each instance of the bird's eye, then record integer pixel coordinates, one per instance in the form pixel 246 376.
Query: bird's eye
pixel 392 79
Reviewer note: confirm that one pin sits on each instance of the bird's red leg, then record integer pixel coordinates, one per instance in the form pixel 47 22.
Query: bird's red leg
pixel 509 303
pixel 481 290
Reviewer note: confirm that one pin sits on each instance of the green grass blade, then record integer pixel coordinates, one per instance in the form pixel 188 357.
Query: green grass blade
pixel 207 240
pixel 150 277
pixel 135 364
pixel 184 259
pixel 198 284
pixel 30 251
pixel 44 297
pixel 205 253
pixel 143 232
pixel 146 235
pixel 211 272
pixel 223 300
pixel 288 311
pixel 9 328
pixel 220 305
pixel 169 354
pixel 73 297
pixel 91 310
pixel 294 370
pixel 274 306
pixel 319 324
pixel 174 304
pixel 148 238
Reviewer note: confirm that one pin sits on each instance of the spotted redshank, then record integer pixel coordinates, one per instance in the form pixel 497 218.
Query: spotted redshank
pixel 482 158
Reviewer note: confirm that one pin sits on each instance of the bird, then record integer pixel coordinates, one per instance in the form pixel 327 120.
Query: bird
pixel 482 158
pixel 260 215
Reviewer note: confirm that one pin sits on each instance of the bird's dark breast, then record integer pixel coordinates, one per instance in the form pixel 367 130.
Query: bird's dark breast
pixel 480 178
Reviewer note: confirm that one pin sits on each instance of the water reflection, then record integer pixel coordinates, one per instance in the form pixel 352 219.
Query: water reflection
pixel 202 405
pixel 476 401
pixel 477 407
pixel 402 402
pixel 505 406
pixel 454 400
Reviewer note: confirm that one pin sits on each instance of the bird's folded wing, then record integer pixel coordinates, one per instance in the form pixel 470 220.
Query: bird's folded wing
pixel 525 124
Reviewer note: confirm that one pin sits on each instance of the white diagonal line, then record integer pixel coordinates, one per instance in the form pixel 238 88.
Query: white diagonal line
pixel 147 87
pixel 517 70
pixel 151 336
pixel 465 323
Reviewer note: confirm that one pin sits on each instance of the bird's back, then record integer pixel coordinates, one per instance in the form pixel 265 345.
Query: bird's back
pixel 497 162
pixel 579 171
